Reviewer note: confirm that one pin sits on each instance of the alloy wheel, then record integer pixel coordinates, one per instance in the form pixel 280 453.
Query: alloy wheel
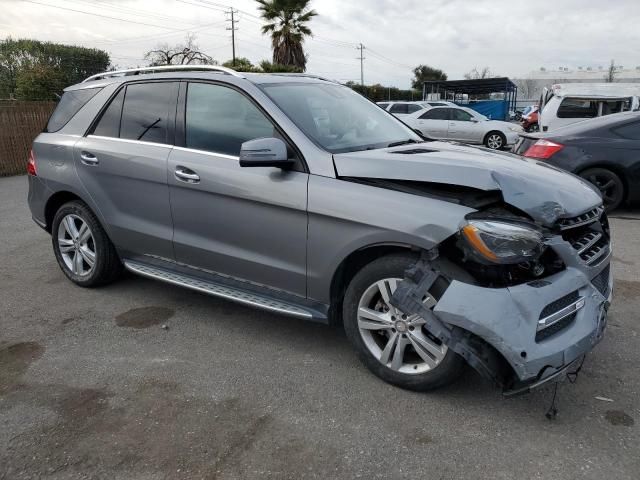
pixel 494 141
pixel 76 245
pixel 398 341
pixel 606 185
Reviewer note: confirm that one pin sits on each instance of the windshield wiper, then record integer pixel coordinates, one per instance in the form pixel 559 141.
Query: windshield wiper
pixel 402 142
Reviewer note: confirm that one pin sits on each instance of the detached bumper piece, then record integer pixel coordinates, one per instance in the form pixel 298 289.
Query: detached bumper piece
pixel 408 298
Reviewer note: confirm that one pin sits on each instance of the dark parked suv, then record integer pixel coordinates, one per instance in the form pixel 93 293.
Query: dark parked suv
pixel 297 195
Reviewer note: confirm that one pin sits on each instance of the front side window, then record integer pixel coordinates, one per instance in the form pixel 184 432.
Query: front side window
pixel 336 118
pixel 146 111
pixel 436 114
pixel 577 108
pixel 414 108
pixel 220 119
pixel 70 104
pixel 460 115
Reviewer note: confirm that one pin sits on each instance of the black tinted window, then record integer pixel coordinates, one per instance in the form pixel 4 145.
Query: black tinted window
pixel 219 119
pixel 460 115
pixel 577 108
pixel 109 123
pixel 146 111
pixel 414 108
pixel 630 131
pixel 436 114
pixel 70 103
pixel 399 108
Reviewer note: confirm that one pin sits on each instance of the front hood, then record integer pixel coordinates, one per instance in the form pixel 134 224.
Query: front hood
pixel 541 190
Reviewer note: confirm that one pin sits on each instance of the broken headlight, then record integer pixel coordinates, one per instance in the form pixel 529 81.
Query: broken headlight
pixel 502 242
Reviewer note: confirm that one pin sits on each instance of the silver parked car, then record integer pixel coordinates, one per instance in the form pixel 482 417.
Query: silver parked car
pixel 296 195
pixel 463 124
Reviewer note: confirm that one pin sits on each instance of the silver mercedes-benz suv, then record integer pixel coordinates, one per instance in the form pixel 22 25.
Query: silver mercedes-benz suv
pixel 295 194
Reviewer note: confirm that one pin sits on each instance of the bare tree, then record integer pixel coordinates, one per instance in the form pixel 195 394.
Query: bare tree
pixel 610 76
pixel 187 53
pixel 476 74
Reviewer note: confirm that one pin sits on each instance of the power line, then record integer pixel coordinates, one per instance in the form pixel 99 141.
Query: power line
pixel 99 15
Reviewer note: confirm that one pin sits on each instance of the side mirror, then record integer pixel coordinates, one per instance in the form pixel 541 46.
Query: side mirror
pixel 264 152
pixel 474 120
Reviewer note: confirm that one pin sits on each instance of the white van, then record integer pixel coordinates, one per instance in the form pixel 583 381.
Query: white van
pixel 568 103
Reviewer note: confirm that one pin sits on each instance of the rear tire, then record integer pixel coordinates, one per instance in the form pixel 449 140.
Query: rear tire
pixel 412 371
pixel 82 248
pixel 495 140
pixel 608 183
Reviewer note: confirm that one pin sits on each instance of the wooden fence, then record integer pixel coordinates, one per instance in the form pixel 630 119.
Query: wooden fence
pixel 20 123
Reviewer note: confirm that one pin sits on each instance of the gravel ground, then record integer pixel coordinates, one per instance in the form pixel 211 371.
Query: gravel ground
pixel 92 386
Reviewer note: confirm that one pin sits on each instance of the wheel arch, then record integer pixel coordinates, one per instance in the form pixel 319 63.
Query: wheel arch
pixel 54 203
pixel 352 263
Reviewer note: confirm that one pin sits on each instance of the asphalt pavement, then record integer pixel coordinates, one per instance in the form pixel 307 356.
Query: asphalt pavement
pixel 93 386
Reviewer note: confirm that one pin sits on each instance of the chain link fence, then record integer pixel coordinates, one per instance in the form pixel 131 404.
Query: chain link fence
pixel 20 123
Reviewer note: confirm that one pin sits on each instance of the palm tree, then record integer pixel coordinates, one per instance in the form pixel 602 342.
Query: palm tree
pixel 286 24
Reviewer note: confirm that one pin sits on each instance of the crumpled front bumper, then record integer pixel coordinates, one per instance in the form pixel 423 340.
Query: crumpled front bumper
pixel 507 319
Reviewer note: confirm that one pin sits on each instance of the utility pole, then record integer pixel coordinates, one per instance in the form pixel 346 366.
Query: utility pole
pixel 233 29
pixel 361 48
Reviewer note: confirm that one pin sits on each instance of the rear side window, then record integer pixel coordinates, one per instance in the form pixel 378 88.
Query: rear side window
pixel 630 131
pixel 219 119
pixel 70 104
pixel 460 115
pixel 399 108
pixel 577 108
pixel 436 114
pixel 109 124
pixel 146 111
pixel 414 108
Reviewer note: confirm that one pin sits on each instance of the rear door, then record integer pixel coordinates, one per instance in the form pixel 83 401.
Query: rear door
pixel 247 223
pixel 122 164
pixel 434 123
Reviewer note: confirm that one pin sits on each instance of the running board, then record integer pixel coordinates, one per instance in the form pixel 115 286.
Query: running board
pixel 227 292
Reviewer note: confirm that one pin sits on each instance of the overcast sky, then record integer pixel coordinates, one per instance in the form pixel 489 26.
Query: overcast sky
pixel 511 37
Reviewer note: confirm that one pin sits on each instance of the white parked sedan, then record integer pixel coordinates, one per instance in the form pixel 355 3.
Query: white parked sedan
pixel 463 125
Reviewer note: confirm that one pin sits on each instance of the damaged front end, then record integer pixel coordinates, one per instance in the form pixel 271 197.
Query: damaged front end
pixel 529 281
pixel 533 300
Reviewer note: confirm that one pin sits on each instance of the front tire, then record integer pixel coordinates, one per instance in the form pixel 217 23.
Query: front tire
pixel 396 348
pixel 82 248
pixel 608 183
pixel 495 140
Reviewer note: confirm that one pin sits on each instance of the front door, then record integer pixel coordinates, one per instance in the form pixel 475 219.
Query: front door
pixel 247 223
pixel 122 165
pixel 464 127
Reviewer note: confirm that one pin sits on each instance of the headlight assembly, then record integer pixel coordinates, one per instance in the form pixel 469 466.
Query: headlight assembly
pixel 502 242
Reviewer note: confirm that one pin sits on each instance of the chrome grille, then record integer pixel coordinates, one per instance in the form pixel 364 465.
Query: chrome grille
pixel 584 219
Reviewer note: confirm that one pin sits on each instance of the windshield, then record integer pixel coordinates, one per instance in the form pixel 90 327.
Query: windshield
pixel 337 118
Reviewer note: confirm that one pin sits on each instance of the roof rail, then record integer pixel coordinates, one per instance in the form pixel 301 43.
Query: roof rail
pixel 163 68
pixel 295 74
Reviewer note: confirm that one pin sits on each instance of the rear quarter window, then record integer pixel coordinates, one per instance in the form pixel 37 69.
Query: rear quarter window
pixel 70 104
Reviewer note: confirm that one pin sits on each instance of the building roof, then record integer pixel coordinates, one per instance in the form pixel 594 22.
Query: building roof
pixel 472 87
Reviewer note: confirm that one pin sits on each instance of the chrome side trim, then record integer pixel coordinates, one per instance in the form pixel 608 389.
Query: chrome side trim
pixel 126 140
pixel 205 152
pixel 228 293
pixel 164 68
pixel 560 314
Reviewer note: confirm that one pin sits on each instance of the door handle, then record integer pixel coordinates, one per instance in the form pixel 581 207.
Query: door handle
pixel 89 158
pixel 186 175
